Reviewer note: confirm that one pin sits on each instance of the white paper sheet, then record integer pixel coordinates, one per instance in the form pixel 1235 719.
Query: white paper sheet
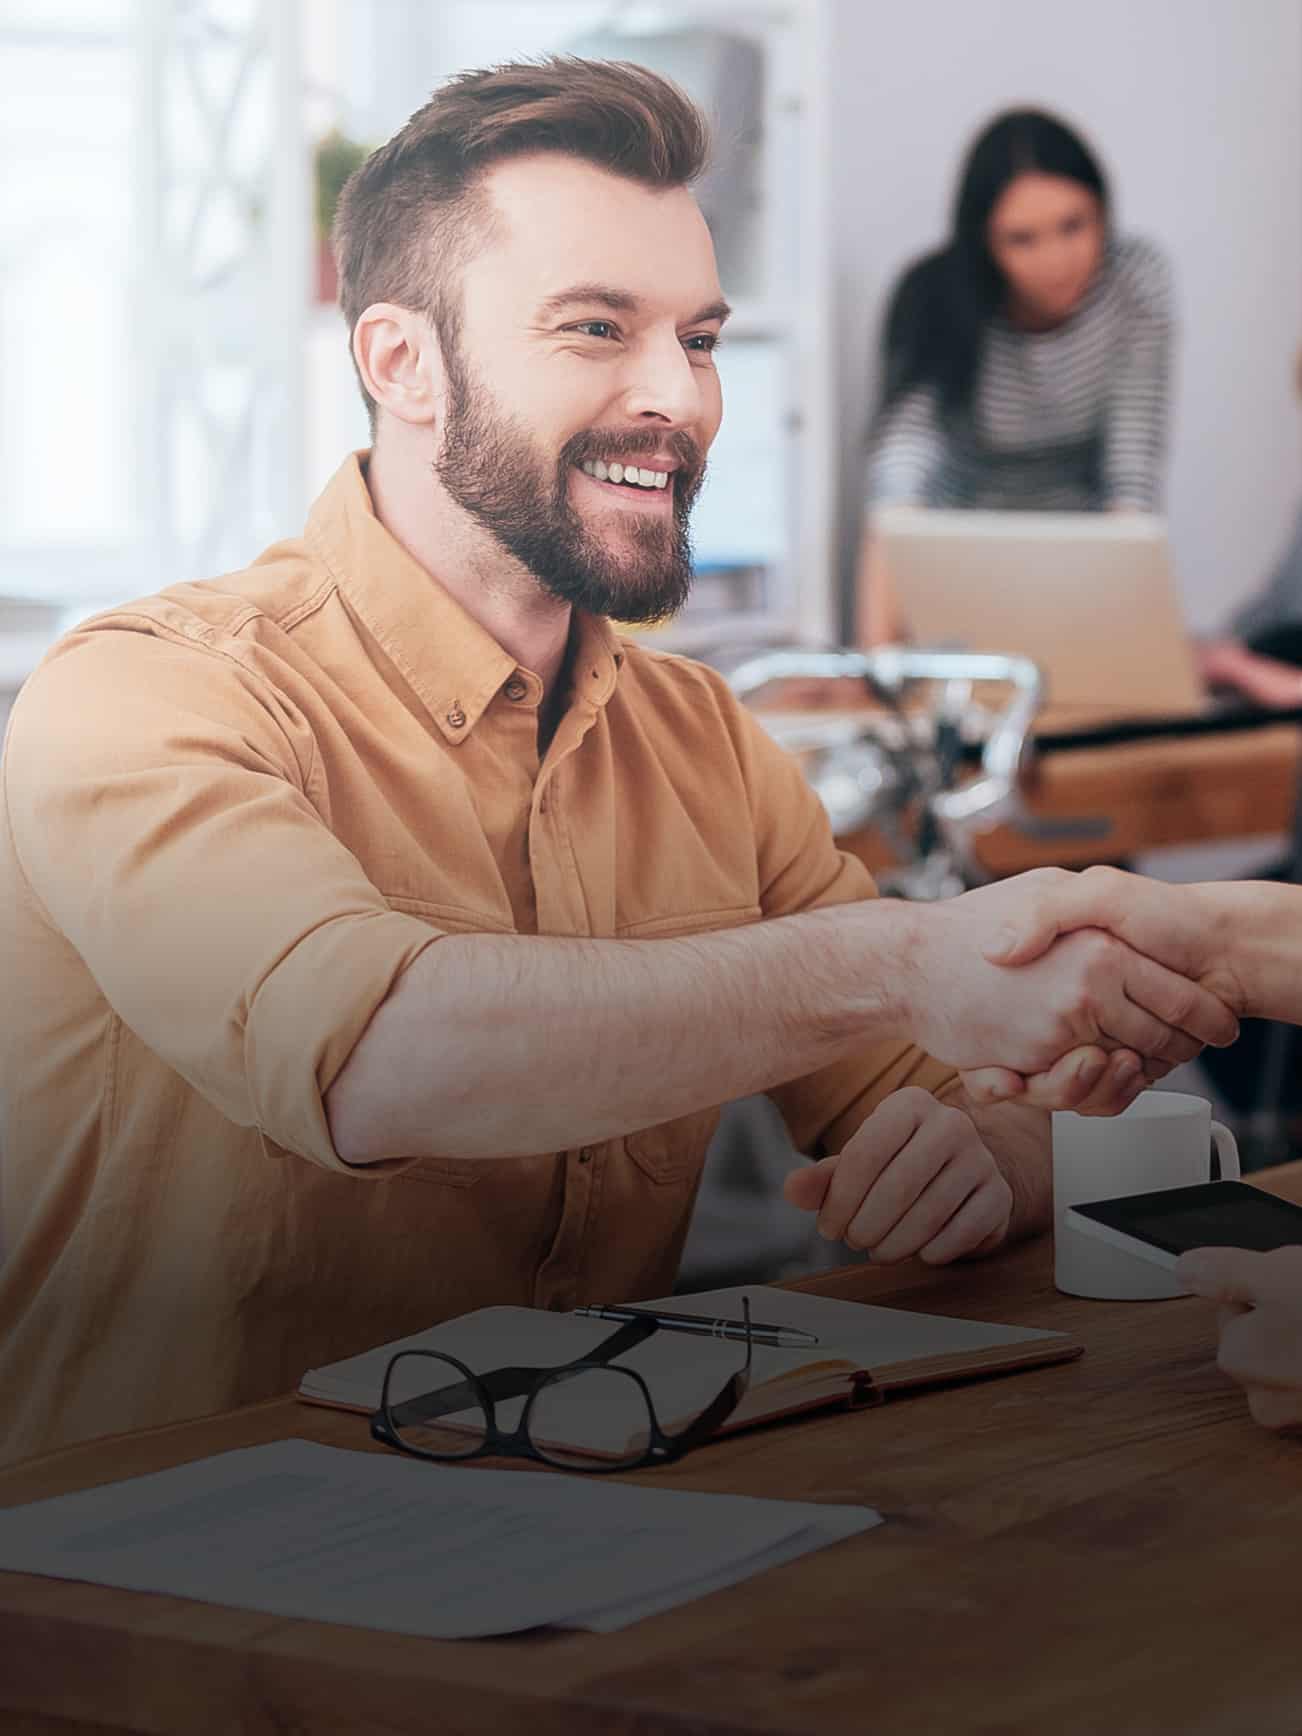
pixel 297 1529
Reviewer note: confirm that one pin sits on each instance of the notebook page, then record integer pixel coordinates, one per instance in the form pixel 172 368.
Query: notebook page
pixel 864 1334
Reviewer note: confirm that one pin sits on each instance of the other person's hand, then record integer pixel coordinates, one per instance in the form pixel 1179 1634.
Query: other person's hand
pixel 1177 926
pixel 1260 1324
pixel 1267 680
pixel 915 1179
pixel 1017 979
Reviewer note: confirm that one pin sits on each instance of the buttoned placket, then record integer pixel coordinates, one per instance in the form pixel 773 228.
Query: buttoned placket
pixel 557 872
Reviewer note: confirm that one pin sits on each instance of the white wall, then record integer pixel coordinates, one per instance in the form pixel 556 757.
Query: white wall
pixel 1196 109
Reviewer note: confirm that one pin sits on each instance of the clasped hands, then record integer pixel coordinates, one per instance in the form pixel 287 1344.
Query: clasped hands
pixel 1026 989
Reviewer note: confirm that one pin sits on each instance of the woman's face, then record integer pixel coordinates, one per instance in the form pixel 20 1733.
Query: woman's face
pixel 1045 234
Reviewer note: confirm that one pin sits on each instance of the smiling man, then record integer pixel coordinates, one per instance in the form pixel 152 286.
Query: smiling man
pixel 386 929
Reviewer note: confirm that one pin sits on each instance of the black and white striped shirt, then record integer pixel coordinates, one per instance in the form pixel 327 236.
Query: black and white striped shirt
pixel 1072 419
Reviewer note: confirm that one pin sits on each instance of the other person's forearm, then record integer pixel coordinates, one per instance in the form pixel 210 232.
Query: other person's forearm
pixel 1242 939
pixel 1255 936
pixel 494 1045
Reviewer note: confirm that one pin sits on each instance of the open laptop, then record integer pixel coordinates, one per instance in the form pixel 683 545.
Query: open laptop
pixel 1090 597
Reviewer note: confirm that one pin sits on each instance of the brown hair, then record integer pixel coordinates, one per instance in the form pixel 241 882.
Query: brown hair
pixel 414 210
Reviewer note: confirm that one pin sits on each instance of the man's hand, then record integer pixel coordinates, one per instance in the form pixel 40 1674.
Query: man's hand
pixel 1260 1324
pixel 1069 992
pixel 915 1179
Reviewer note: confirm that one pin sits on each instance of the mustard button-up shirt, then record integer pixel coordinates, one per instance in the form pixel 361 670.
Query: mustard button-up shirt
pixel 233 814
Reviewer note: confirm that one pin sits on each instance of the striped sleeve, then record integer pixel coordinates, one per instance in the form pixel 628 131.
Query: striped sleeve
pixel 1135 429
pixel 906 452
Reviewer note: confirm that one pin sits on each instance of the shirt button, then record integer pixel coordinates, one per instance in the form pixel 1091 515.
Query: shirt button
pixel 456 718
pixel 515 688
pixel 585 1154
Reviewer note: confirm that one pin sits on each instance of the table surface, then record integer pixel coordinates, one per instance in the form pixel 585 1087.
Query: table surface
pixel 1108 1544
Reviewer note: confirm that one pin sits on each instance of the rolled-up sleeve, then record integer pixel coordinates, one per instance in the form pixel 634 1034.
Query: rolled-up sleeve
pixel 159 796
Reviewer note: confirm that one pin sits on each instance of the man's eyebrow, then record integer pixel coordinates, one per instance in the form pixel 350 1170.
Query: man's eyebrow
pixel 618 301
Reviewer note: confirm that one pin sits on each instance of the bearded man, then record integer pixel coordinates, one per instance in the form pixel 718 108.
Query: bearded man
pixel 382 929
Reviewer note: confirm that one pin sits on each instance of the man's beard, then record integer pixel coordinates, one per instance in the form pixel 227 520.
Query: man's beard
pixel 493 470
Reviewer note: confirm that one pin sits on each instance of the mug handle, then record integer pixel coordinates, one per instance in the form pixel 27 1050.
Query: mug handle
pixel 1227 1151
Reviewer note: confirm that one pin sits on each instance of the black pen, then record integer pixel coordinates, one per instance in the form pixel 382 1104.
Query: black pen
pixel 702 1326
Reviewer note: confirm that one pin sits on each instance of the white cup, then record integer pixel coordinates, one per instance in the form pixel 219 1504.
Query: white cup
pixel 1164 1139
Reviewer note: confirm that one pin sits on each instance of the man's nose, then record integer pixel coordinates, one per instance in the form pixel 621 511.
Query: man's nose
pixel 663 384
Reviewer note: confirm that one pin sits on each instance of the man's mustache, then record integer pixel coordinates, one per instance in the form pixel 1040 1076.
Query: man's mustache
pixel 593 444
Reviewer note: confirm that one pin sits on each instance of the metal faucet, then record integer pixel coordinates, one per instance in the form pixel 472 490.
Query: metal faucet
pixel 878 771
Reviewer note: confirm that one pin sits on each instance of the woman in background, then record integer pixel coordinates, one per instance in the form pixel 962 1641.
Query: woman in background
pixel 1026 363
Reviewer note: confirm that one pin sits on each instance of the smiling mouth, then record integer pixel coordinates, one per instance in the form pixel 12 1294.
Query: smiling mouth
pixel 625 475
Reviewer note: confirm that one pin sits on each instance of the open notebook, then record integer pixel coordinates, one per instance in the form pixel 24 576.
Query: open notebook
pixel 863 1353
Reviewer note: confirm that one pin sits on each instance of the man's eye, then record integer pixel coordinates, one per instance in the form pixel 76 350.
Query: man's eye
pixel 704 342
pixel 596 328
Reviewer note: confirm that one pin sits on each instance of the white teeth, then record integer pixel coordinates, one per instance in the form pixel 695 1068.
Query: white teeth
pixel 629 474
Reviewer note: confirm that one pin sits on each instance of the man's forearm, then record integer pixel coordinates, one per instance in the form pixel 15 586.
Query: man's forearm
pixel 501 1045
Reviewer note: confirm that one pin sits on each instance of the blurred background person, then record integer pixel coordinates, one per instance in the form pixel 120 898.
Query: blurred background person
pixel 1260 656
pixel 1026 363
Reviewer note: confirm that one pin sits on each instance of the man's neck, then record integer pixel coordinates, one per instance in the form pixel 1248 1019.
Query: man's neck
pixel 490 585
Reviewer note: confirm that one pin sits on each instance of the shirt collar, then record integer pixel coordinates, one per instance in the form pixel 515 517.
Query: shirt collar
pixel 452 664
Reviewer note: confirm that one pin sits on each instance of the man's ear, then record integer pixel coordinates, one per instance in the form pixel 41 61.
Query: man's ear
pixel 400 362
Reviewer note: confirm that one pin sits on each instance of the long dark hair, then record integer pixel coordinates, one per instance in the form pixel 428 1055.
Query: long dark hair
pixel 940 309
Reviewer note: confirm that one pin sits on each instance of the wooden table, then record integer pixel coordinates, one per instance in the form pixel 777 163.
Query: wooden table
pixel 1107 1545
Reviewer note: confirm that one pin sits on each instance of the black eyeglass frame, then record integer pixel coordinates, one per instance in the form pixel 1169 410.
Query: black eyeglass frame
pixel 662 1447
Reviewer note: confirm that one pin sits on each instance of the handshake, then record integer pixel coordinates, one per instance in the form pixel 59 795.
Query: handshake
pixel 1076 991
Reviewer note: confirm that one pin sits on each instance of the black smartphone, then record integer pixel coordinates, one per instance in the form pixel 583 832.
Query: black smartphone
pixel 1161 1226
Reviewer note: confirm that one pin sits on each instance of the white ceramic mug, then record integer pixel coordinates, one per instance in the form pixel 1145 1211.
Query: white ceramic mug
pixel 1164 1139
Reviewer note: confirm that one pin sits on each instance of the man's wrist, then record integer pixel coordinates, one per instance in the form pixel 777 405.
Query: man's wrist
pixel 883 986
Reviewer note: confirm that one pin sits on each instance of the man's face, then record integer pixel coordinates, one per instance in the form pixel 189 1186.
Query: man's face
pixel 582 392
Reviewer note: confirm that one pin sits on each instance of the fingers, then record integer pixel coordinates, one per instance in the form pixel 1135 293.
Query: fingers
pixel 1260 1321
pixel 916 1198
pixel 884 1135
pixel 978 1228
pixel 1120 1082
pixel 1088 1081
pixel 984 1086
pixel 1183 1005
pixel 1262 1347
pixel 807 1188
pixel 915 1177
pixel 1051 905
pixel 1276 1409
pixel 1221 1274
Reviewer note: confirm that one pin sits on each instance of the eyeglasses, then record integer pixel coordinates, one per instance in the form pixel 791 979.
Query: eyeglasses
pixel 582 1416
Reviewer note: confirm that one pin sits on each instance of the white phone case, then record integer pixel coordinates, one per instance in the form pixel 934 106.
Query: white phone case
pixel 1119 1239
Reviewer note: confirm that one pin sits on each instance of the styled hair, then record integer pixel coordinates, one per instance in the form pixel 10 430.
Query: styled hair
pixel 937 318
pixel 413 214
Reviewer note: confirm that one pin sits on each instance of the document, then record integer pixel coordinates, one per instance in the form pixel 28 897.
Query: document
pixel 406 1546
